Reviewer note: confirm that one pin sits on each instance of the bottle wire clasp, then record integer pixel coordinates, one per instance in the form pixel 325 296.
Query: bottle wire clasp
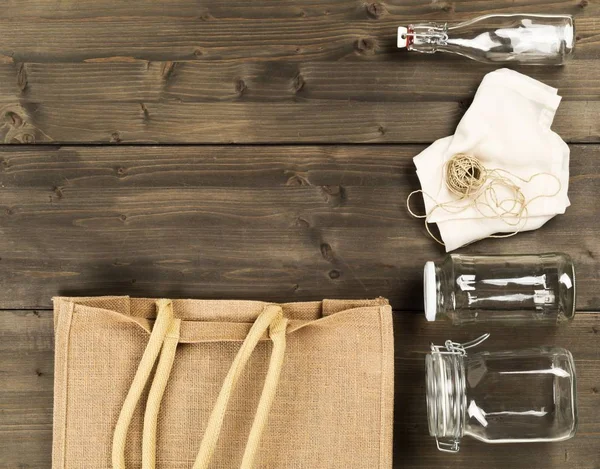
pixel 426 33
pixel 456 348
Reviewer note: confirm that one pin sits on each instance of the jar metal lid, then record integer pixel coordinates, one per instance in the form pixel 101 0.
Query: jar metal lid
pixel 430 291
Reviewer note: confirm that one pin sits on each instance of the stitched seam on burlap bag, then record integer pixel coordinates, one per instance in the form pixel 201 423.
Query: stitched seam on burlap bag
pixel 385 358
pixel 383 377
pixel 65 336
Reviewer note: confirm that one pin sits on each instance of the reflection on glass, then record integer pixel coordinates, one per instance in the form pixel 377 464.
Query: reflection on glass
pixel 501 397
pixel 522 38
pixel 509 288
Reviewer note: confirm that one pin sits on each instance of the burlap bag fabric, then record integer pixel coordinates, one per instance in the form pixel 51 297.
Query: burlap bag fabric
pixel 222 384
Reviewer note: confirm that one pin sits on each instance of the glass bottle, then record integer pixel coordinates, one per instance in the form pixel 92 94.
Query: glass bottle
pixel 519 396
pixel 509 288
pixel 520 38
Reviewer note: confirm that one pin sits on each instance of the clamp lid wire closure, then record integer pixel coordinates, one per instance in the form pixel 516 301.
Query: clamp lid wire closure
pixel 452 348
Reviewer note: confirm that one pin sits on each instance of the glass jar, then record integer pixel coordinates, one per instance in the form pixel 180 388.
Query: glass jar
pixel 510 288
pixel 500 397
pixel 522 38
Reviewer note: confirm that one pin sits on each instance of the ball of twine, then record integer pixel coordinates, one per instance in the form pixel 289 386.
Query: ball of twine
pixel 494 193
pixel 465 175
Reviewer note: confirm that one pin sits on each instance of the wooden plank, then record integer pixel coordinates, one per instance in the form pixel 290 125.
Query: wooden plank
pixel 26 388
pixel 233 73
pixel 235 123
pixel 206 37
pixel 277 223
pixel 26 363
pixel 337 122
pixel 413 81
pixel 280 9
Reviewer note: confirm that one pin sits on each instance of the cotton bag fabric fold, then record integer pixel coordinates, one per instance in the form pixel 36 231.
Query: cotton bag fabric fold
pixel 182 384
pixel 506 127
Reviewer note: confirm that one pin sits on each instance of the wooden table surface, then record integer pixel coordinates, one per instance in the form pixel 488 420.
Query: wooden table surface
pixel 260 149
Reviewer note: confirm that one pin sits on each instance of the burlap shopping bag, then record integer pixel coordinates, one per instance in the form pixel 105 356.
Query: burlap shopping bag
pixel 222 384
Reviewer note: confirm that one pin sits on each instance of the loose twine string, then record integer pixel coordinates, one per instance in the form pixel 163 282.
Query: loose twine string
pixel 478 187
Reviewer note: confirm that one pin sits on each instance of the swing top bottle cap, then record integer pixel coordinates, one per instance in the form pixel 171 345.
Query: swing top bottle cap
pixel 403 37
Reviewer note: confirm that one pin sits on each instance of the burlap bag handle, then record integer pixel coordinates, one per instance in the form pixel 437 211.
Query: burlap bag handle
pixel 164 339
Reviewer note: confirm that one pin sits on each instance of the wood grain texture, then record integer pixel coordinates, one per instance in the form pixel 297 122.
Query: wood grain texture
pixel 258 72
pixel 278 223
pixel 26 389
pixel 268 102
pixel 338 122
pixel 341 10
pixel 368 33
pixel 274 82
pixel 26 363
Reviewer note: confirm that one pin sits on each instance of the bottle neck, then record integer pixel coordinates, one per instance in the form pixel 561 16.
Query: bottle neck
pixel 427 37
pixel 446 398
pixel 433 37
